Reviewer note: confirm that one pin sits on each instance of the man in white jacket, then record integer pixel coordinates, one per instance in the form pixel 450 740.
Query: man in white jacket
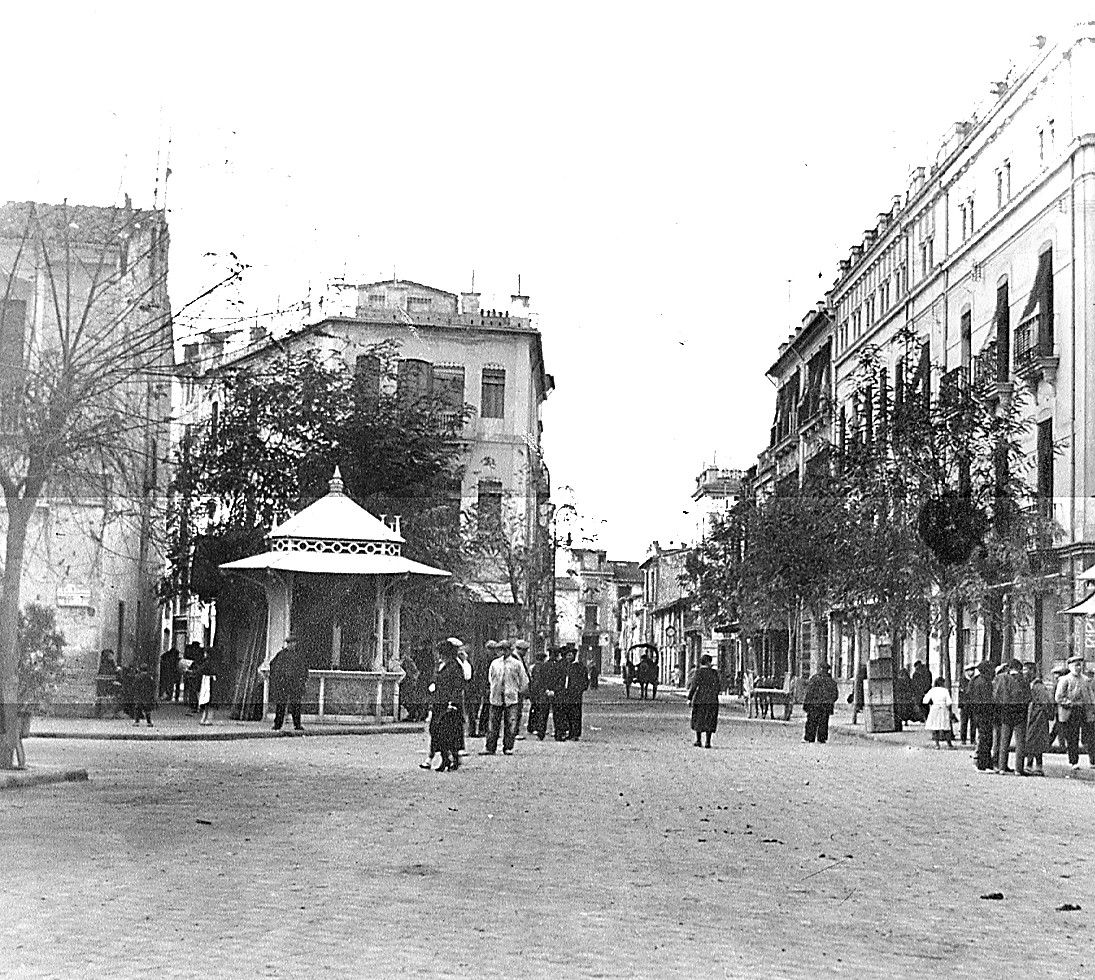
pixel 1072 696
pixel 508 684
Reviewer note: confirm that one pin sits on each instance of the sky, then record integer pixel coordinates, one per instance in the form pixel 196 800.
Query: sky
pixel 674 183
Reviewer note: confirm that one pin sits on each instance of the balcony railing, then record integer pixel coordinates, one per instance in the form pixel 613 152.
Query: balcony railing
pixel 1029 342
pixel 985 367
pixel 954 385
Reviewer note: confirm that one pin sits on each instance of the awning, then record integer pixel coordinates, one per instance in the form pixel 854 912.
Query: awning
pixel 320 563
pixel 1085 608
pixel 1089 575
pixel 490 593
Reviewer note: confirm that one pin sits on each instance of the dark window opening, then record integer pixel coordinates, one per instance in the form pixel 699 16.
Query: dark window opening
pixel 490 505
pixel 366 390
pixel 414 382
pixel 493 405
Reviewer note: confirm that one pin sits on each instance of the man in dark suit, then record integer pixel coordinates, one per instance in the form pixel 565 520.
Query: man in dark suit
pixel 554 678
pixel 479 691
pixel 288 677
pixel 575 684
pixel 538 705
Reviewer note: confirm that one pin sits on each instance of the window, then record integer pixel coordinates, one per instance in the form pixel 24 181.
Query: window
pixel 969 208
pixel 927 256
pixel 1007 179
pixel 591 618
pixel 418 304
pixel 493 403
pixel 490 505
pixel 448 385
pixel 414 382
pixel 870 311
pixel 1041 146
pixel 1052 134
pixel 965 222
pixel 1034 335
pixel 999 189
pixel 1003 332
pixel 376 299
pixel 214 422
pixel 1045 466
pixel 366 387
pixel 967 338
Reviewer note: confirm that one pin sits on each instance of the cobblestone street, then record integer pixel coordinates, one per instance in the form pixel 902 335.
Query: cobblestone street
pixel 630 853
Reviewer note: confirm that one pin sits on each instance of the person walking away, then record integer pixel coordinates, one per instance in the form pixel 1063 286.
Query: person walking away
pixel 1012 697
pixel 288 676
pixel 575 684
pixel 205 689
pixel 1071 696
pixel 818 700
pixel 938 701
pixel 508 682
pixel 143 693
pixel 554 678
pixel 858 692
pixel 703 693
pixel 965 719
pixel 538 705
pixel 982 710
pixel 1039 717
pixel 107 685
pixel 446 714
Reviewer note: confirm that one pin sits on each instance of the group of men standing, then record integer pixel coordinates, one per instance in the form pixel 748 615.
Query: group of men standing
pixel 495 685
pixel 1010 702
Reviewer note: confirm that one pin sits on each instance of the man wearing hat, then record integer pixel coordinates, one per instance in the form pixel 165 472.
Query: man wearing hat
pixel 508 682
pixel 479 690
pixel 554 677
pixel 288 676
pixel 966 725
pixel 520 649
pixel 1012 695
pixel 982 712
pixel 575 684
pixel 1073 696
pixel 817 701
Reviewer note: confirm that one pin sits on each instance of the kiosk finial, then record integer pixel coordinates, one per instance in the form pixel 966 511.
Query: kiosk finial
pixel 335 484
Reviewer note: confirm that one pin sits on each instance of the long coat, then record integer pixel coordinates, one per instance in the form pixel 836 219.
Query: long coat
pixel 703 692
pixel 821 692
pixel 1040 716
pixel 288 676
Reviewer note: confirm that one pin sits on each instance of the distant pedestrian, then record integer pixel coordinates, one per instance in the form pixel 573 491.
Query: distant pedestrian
pixel 920 685
pixel 747 685
pixel 818 701
pixel 703 693
pixel 478 693
pixel 858 692
pixel 966 726
pixel 520 651
pixel 209 670
pixel 575 684
pixel 288 678
pixel 938 723
pixel 446 714
pixel 629 677
pixel 982 713
pixel 1012 696
pixel 1039 718
pixel 798 692
pixel 537 696
pixel 461 654
pixel 554 675
pixel 169 668
pixel 108 688
pixel 820 696
pixel 192 682
pixel 1071 696
pixel 647 677
pixel 142 693
pixel 508 682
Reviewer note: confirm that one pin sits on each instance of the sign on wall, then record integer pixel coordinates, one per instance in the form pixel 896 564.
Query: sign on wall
pixel 69 598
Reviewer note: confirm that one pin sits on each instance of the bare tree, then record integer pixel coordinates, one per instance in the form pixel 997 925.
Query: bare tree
pixel 85 378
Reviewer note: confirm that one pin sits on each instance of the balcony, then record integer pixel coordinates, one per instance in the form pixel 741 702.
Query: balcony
pixel 1034 358
pixel 954 386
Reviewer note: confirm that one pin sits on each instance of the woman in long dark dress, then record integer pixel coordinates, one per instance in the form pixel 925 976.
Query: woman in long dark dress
pixel 447 718
pixel 703 692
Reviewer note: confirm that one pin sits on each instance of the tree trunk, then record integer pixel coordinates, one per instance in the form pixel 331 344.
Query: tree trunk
pixel 19 512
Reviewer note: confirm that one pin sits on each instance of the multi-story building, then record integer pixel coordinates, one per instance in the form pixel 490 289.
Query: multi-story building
pixel 989 261
pixel 489 360
pixel 717 491
pixel 87 286
pixel 667 604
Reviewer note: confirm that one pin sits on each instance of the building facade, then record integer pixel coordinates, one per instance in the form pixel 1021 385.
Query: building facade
pixel 94 546
pixel 447 346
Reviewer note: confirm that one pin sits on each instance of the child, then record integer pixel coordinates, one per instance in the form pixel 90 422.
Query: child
pixel 143 694
pixel 939 704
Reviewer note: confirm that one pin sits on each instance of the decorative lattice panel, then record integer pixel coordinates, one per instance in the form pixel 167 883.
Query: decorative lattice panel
pixel 330 546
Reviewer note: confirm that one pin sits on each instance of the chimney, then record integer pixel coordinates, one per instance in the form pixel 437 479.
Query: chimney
pixel 469 304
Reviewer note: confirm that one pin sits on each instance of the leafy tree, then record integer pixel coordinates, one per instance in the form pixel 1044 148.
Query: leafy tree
pixel 284 424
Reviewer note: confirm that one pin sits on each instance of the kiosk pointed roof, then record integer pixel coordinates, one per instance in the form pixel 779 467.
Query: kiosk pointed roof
pixel 335 517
